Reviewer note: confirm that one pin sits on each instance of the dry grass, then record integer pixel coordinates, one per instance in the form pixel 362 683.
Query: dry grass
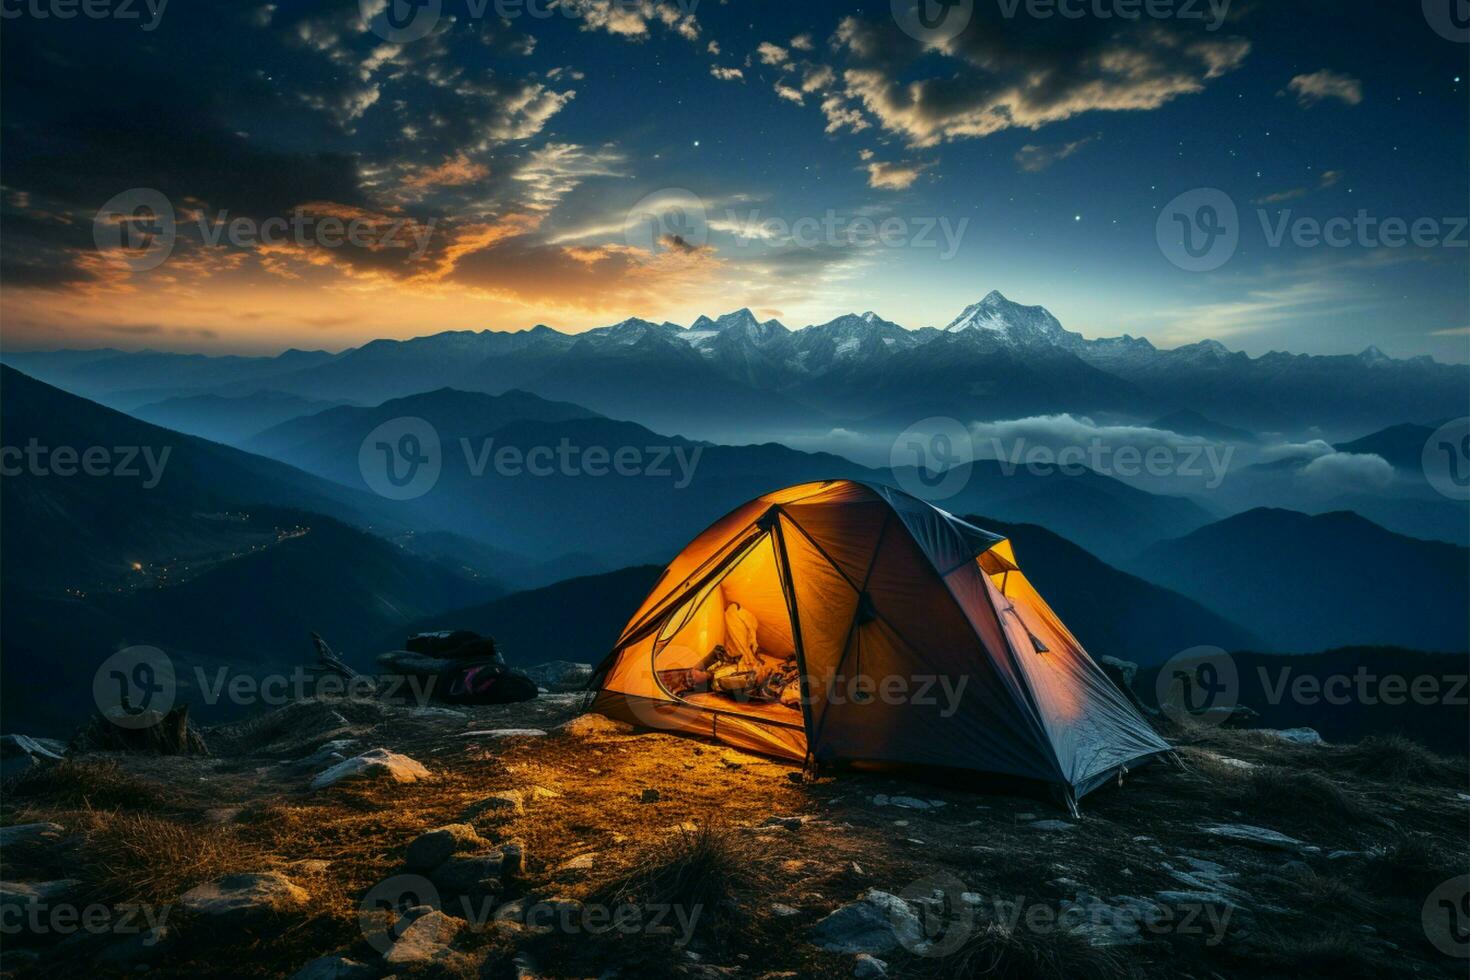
pixel 1409 867
pixel 1001 952
pixel 1295 797
pixel 149 840
pixel 705 869
pixel 139 857
pixel 1330 954
pixel 92 784
pixel 1396 759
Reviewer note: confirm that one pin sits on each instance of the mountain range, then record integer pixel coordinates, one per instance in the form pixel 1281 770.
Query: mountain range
pixel 1308 582
pixel 734 376
pixel 228 557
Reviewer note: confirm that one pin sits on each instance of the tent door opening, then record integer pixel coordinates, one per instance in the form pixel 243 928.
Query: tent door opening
pixel 731 648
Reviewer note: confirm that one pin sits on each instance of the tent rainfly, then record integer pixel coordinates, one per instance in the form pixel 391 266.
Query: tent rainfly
pixel 839 622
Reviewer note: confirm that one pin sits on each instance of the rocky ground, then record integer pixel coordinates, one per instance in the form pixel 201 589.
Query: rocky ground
pixel 349 838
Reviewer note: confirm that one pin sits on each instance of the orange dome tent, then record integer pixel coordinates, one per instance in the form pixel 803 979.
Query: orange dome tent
pixel 843 621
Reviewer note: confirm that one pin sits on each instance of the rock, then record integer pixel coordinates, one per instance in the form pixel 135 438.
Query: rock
pixel 867 967
pixel 648 796
pixel 1206 876
pixel 31 833
pixel 436 712
pixel 20 895
pixel 504 733
pixel 1121 672
pixel 429 850
pixel 502 803
pixel 1054 825
pixel 790 823
pixel 424 940
pixel 21 753
pixel 560 675
pixel 1255 836
pixel 783 911
pixel 1111 923
pixel 590 724
pixel 241 896
pixel 1191 899
pixel 907 802
pixel 1342 855
pixel 138 949
pixel 334 968
pixel 578 865
pixel 377 764
pixel 470 874
pixel 1301 736
pixel 539 793
pixel 547 916
pixel 328 754
pixel 513 856
pixel 876 923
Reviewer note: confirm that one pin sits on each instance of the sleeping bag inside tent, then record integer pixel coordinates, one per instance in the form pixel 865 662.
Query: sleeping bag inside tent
pixel 850 622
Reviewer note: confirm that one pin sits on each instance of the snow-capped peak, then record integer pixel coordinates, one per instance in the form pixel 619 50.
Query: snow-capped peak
pixel 1011 321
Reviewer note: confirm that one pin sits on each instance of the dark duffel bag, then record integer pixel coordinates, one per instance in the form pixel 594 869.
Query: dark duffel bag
pixel 484 682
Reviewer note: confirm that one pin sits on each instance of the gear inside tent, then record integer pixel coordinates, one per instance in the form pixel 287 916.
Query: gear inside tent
pixel 844 622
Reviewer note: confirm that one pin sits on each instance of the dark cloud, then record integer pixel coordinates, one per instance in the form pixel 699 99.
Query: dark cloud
pixel 1005 73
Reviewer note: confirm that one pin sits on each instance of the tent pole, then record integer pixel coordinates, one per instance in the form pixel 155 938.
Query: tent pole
pixel 1071 800
pixel 773 517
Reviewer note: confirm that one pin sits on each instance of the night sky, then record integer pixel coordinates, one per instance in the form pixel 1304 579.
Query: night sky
pixel 1049 146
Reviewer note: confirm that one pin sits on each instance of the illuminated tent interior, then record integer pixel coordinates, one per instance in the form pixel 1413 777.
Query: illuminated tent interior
pixel 849 622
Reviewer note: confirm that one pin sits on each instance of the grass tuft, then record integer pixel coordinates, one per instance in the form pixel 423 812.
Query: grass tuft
pixel 1002 952
pixel 92 784
pixel 1394 758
